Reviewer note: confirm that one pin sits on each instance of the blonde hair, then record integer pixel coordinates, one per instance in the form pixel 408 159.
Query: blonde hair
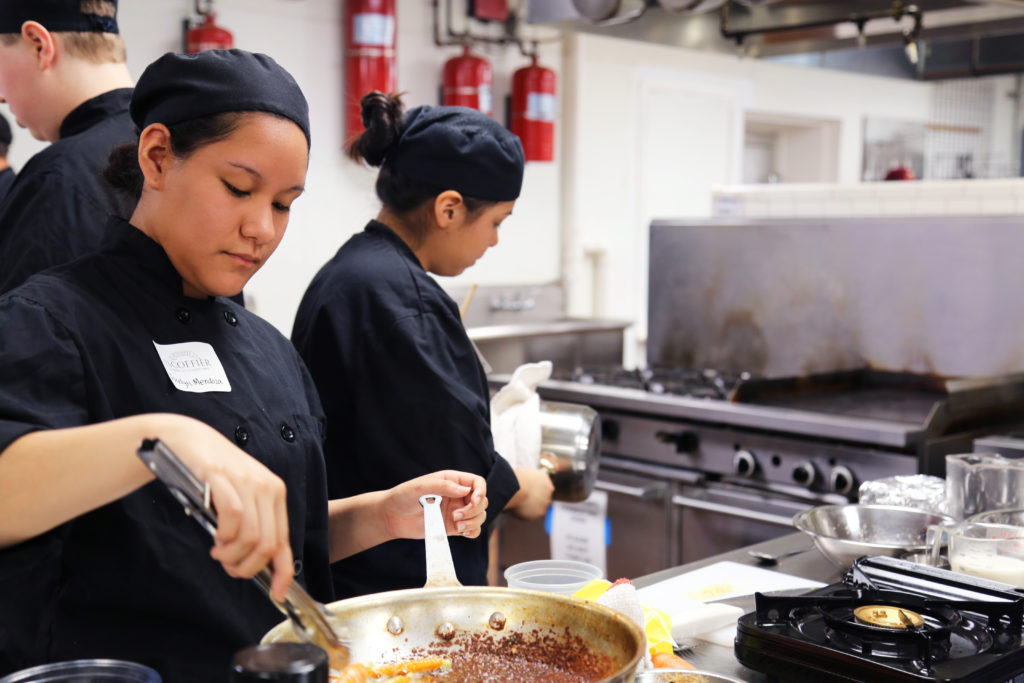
pixel 98 48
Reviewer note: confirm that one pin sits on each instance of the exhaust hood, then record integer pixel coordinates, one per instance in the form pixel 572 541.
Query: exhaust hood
pixel 933 38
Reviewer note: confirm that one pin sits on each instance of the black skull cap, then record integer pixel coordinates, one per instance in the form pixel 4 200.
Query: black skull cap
pixel 184 87
pixel 458 148
pixel 55 15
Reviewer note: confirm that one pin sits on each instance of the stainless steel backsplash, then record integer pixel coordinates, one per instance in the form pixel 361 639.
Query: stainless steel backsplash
pixel 780 297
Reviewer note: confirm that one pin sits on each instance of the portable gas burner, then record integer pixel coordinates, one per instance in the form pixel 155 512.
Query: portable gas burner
pixel 889 620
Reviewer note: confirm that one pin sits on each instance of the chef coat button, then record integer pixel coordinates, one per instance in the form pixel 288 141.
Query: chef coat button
pixel 287 433
pixel 241 436
pixel 183 315
pixel 231 318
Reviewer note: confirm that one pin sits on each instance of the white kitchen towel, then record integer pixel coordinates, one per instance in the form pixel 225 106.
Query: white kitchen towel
pixel 622 597
pixel 515 415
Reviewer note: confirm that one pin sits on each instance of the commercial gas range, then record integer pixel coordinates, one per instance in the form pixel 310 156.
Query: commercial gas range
pixel 697 463
pixel 789 360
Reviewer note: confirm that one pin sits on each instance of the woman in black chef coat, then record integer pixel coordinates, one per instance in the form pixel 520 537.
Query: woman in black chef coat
pixel 137 341
pixel 403 390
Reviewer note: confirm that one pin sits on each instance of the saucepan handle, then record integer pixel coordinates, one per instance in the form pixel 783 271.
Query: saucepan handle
pixel 440 568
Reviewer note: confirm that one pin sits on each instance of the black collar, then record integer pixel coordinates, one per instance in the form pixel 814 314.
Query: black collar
pixel 93 111
pixel 124 240
pixel 375 226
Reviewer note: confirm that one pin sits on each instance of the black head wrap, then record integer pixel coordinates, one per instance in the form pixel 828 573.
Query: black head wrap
pixel 5 131
pixel 461 149
pixel 178 88
pixel 55 15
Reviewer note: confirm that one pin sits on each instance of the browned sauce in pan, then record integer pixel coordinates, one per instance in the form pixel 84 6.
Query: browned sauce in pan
pixel 520 657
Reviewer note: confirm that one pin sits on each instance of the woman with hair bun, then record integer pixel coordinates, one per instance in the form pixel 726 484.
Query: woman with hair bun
pixel 138 341
pixel 402 387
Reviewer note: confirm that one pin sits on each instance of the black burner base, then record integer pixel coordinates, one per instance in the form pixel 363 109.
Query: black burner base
pixel 970 631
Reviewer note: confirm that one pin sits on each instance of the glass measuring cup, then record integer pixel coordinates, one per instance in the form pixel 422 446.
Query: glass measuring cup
pixel 984 549
pixel 978 482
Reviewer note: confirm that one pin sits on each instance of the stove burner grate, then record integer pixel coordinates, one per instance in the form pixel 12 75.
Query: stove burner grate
pixel 707 383
pixel 807 637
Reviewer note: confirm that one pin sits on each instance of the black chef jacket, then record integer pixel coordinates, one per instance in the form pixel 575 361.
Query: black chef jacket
pixel 404 395
pixel 133 579
pixel 57 207
pixel 6 180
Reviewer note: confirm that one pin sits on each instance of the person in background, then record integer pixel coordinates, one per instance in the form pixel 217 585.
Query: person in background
pixel 138 341
pixel 403 389
pixel 6 172
pixel 64 77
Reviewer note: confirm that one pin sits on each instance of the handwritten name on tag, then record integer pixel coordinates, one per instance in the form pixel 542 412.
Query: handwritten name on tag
pixel 193 366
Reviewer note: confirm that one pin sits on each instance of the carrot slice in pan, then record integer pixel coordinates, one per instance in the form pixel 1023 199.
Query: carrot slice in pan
pixel 670 660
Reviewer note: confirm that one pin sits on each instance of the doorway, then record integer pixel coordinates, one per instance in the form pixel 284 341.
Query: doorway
pixel 789 149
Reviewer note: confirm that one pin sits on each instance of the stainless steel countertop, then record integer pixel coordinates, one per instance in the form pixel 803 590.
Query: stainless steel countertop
pixel 810 565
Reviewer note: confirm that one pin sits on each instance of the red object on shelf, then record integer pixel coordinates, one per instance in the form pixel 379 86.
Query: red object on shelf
pixel 208 36
pixel 901 173
pixel 489 10
pixel 533 111
pixel 467 82
pixel 369 55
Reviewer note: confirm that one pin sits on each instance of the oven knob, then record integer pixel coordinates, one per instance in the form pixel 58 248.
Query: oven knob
pixel 804 474
pixel 744 463
pixel 841 480
pixel 686 441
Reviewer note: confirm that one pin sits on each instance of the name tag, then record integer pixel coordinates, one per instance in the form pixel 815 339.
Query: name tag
pixel 193 366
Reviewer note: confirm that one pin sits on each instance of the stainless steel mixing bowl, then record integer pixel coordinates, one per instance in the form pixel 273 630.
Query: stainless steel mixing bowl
pixel 845 532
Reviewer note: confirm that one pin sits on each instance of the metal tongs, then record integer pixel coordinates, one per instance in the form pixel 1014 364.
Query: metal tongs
pixel 309 618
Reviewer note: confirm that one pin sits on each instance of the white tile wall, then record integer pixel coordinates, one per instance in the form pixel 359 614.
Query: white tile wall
pixel 906 198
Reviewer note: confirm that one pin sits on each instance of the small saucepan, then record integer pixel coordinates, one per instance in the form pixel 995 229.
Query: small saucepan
pixel 570 448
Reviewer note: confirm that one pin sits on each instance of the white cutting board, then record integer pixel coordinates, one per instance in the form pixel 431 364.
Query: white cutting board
pixel 720 581
pixel 683 596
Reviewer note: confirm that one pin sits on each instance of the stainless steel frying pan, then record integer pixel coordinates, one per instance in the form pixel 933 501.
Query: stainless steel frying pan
pixel 395 625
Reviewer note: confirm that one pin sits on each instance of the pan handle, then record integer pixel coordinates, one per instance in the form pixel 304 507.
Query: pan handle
pixel 440 568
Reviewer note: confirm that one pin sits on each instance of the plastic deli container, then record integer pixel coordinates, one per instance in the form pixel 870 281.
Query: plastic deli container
pixel 85 671
pixel 556 576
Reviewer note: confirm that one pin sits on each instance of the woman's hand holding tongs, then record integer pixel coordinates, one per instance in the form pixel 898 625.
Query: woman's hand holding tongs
pixel 252 516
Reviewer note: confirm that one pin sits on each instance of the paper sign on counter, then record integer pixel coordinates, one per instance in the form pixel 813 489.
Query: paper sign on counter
pixel 579 530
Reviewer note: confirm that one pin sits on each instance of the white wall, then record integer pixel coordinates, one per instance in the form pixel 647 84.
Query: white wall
pixel 646 131
pixel 306 38
pixel 621 170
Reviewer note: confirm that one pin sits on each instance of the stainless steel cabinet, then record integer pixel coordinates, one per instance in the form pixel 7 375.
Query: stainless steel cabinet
pixel 715 518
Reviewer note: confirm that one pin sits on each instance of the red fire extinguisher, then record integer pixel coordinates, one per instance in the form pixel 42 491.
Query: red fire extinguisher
pixel 533 111
pixel 467 82
pixel 369 55
pixel 208 36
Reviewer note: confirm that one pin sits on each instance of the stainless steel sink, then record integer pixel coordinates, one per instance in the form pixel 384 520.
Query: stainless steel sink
pixel 546 328
pixel 512 325
pixel 567 342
